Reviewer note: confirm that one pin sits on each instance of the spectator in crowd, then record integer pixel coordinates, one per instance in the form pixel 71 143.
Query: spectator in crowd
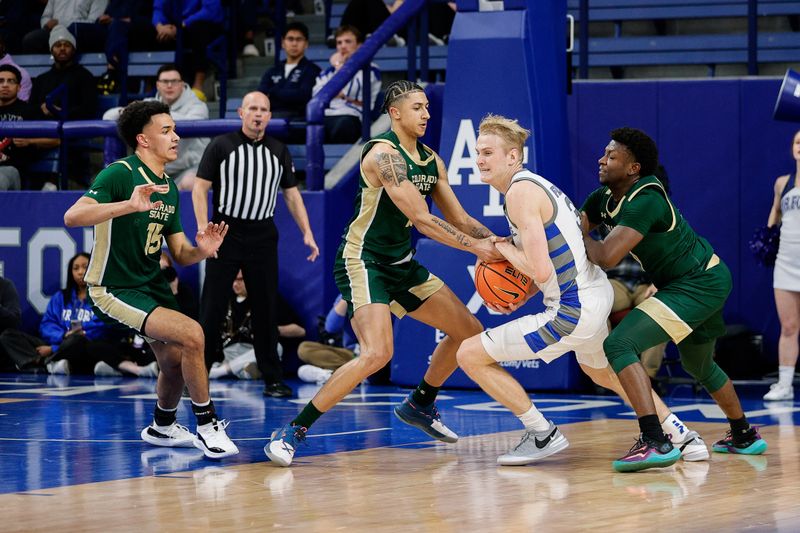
pixel 15 153
pixel 248 17
pixel 25 84
pixel 61 13
pixel 786 279
pixel 289 83
pixel 77 341
pixel 337 345
pixel 183 293
pixel 200 22
pixel 368 15
pixel 236 342
pixel 183 105
pixel 81 93
pixel 17 18
pixel 245 168
pixel 343 114
pixel 124 25
pixel 10 319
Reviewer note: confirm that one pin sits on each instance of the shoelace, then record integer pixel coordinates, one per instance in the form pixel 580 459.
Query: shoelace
pixel 639 443
pixel 298 435
pixel 523 440
pixel 175 428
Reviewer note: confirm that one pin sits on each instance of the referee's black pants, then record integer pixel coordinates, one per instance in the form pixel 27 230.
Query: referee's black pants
pixel 253 248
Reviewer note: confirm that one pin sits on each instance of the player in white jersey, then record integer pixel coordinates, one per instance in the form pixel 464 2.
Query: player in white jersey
pixel 546 243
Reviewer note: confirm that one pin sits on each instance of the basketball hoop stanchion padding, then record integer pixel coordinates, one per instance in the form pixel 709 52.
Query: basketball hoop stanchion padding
pixel 512 63
pixel 414 342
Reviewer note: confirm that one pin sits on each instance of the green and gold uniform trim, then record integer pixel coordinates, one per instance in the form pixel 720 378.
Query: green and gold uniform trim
pixel 115 308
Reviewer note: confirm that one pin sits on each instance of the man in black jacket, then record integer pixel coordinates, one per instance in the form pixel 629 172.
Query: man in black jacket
pixel 81 94
pixel 288 84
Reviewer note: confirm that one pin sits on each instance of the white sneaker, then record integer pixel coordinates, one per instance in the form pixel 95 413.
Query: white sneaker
pixel 778 392
pixel 104 369
pixel 59 367
pixel 174 436
pixel 692 447
pixel 313 374
pixel 534 446
pixel 250 50
pixel 212 439
pixel 149 371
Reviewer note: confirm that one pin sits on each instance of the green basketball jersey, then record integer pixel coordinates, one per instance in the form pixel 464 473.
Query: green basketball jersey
pixel 670 248
pixel 379 231
pixel 127 249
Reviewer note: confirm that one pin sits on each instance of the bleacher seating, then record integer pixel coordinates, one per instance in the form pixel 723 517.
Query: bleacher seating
pixel 710 49
pixel 140 64
pixel 689 50
pixel 333 153
pixel 388 59
pixel 622 10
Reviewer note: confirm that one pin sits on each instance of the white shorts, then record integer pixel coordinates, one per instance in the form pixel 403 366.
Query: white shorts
pixel 540 336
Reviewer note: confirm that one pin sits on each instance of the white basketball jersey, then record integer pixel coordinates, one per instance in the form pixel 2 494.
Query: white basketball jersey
pixel 564 239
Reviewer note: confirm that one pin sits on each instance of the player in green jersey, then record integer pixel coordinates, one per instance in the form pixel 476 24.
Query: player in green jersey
pixel 133 206
pixel 693 284
pixel 377 275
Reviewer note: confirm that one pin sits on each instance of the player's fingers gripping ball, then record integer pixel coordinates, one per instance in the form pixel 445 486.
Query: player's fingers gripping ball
pixel 501 284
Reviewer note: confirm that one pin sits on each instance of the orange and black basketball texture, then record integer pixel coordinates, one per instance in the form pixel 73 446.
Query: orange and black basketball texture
pixel 501 284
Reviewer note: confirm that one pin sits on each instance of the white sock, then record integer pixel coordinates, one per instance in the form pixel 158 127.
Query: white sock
pixel 533 420
pixel 674 428
pixel 786 375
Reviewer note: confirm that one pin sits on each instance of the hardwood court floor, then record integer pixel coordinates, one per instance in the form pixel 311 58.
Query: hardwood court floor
pixel 399 481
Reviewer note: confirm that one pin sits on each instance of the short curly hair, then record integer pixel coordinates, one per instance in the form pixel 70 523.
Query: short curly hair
pixel 641 146
pixel 136 116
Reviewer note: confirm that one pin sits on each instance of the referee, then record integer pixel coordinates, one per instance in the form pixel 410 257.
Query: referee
pixel 245 169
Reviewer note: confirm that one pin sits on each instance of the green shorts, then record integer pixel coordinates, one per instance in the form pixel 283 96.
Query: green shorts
pixel 691 308
pixel 131 306
pixel 402 287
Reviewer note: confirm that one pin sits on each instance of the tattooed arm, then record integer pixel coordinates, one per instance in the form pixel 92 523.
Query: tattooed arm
pixel 451 208
pixel 385 167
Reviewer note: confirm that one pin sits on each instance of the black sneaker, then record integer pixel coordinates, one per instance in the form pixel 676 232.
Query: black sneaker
pixel 107 83
pixel 325 337
pixel 278 389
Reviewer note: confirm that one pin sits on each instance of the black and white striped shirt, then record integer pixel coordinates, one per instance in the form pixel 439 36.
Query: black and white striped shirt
pixel 245 175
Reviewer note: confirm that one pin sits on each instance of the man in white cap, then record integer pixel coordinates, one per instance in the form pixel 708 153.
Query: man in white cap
pixel 80 100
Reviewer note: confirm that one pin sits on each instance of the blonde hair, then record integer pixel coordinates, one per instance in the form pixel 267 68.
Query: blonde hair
pixel 513 135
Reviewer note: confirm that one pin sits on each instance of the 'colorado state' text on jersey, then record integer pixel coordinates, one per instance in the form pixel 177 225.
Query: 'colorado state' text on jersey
pixel 670 248
pixel 379 231
pixel 127 249
pixel 574 272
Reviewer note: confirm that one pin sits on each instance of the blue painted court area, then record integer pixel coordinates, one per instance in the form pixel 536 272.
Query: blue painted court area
pixel 66 430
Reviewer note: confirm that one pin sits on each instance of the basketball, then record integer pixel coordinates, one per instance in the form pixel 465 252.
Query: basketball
pixel 501 284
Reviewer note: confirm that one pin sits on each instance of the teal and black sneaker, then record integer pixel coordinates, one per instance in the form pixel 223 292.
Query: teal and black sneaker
pixel 647 453
pixel 425 418
pixel 750 443
pixel 283 443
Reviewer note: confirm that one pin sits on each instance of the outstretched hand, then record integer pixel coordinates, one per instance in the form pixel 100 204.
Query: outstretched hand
pixel 140 197
pixel 210 239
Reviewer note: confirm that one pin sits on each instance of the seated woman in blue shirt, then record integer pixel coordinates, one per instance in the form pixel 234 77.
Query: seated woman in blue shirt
pixel 79 342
